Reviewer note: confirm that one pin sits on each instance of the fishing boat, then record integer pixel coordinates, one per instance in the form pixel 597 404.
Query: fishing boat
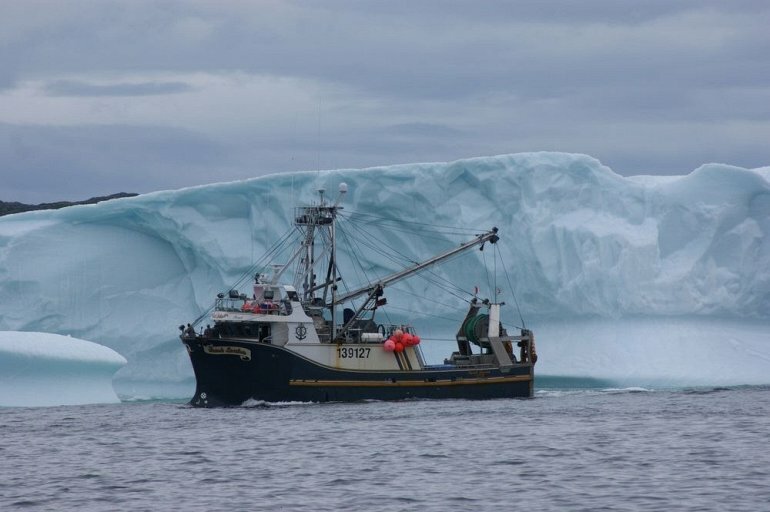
pixel 311 340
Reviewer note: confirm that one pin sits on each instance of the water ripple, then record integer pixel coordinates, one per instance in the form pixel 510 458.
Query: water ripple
pixel 630 449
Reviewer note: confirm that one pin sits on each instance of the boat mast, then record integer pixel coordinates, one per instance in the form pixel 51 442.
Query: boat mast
pixel 333 269
pixel 310 218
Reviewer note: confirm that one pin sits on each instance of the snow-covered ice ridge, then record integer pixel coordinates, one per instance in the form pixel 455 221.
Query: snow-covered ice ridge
pixel 39 369
pixel 578 240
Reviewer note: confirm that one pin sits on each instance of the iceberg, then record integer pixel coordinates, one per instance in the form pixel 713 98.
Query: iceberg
pixel 42 369
pixel 610 272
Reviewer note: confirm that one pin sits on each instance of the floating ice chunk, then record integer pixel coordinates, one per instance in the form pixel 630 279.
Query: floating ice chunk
pixel 42 369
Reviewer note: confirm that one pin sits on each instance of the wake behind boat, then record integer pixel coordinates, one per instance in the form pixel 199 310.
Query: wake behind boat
pixel 287 342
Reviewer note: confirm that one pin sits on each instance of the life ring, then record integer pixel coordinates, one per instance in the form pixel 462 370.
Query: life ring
pixel 381 330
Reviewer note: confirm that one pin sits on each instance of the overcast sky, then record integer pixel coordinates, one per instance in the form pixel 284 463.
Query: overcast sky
pixel 98 97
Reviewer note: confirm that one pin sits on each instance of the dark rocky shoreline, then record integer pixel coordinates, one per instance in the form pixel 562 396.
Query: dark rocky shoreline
pixel 8 208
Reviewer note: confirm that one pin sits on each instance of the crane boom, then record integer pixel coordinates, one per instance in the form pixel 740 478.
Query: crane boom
pixel 490 236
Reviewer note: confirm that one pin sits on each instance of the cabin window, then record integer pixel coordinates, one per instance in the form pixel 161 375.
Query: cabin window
pixel 250 330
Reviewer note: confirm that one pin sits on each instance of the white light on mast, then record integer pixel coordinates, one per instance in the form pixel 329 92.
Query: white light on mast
pixel 343 190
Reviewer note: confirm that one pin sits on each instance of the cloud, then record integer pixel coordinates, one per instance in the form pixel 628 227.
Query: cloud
pixel 418 129
pixel 75 88
pixel 278 85
pixel 77 162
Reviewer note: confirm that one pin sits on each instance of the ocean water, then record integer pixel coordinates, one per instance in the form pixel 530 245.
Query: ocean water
pixel 630 449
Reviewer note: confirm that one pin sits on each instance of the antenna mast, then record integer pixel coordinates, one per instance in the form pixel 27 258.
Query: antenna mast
pixel 313 220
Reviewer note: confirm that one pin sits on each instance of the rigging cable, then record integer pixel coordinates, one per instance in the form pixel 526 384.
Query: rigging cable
pixel 513 291
pixel 274 249
pixel 494 274
pixel 354 253
pixel 355 262
pixel 411 261
pixel 438 281
pixel 405 259
pixel 450 229
pixel 486 269
pixel 407 292
pixel 358 267
pixel 424 313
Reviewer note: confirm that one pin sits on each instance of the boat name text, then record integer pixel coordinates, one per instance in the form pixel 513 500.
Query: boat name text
pixel 243 353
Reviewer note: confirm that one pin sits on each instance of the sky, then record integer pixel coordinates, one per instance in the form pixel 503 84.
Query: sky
pixel 99 97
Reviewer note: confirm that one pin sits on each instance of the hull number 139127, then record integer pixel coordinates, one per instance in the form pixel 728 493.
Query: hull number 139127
pixel 353 352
